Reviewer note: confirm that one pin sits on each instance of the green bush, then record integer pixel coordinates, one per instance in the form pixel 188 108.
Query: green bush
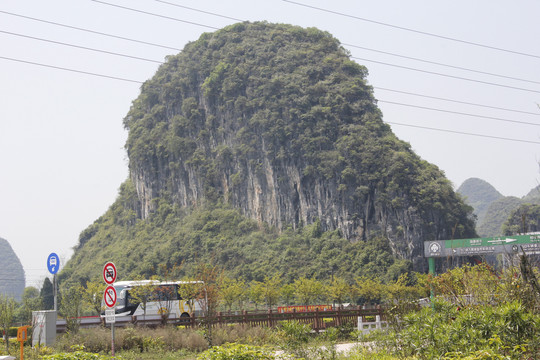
pixel 77 355
pixel 237 352
pixel 446 330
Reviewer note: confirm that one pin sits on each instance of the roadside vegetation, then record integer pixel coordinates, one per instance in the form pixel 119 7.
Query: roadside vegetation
pixel 478 313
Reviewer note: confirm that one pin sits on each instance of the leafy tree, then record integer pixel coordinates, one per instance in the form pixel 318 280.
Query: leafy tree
pixel 142 292
pixel 71 300
pixel 256 292
pixel 308 290
pixel 524 219
pixel 7 313
pixel 47 294
pixel 339 290
pixel 467 284
pixel 232 291
pixel 93 294
pixel 271 288
pixel 189 291
pixel 287 293
pixel 31 301
pixel 209 292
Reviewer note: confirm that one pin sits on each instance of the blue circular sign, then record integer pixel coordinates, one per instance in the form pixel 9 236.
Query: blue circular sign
pixel 53 263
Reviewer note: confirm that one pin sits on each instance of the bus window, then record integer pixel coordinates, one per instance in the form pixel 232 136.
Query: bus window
pixel 166 293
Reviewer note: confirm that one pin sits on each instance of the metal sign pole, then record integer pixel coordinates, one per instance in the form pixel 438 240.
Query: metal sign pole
pixel 112 339
pixel 110 296
pixel 55 290
pixel 53 265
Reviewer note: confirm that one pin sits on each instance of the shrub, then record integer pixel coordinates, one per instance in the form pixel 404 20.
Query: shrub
pixel 447 330
pixel 237 352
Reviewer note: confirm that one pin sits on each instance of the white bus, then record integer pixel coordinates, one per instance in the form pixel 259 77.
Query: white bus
pixel 162 298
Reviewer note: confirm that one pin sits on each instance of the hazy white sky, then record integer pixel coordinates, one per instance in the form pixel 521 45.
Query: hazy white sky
pixel 61 136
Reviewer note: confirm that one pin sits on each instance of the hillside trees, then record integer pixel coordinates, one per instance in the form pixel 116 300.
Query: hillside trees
pixel 7 313
pixel 260 149
pixel 524 219
pixel 47 294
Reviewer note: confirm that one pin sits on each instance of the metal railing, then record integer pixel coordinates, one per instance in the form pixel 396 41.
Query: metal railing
pixel 318 319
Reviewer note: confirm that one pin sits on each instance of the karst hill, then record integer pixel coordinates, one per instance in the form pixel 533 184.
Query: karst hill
pixel 261 144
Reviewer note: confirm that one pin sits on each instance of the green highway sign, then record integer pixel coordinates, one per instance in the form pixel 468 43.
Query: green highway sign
pixel 483 246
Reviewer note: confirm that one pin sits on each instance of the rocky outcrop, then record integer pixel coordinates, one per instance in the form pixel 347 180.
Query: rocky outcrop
pixel 12 281
pixel 278 121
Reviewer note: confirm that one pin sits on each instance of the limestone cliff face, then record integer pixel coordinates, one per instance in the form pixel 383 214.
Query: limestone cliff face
pixel 12 281
pixel 278 121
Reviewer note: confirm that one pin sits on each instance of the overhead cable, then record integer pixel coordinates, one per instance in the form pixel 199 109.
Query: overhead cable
pixel 383 101
pixel 156 15
pixel 459 113
pixel 413 30
pixel 351 45
pixel 442 64
pixel 457 101
pixel 463 133
pixel 80 47
pixel 91 31
pixel 200 11
pixel 446 75
pixel 71 70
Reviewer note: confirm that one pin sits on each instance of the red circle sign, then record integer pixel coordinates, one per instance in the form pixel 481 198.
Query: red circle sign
pixel 110 296
pixel 109 273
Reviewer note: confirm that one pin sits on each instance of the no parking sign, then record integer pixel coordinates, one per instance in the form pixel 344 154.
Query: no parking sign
pixel 109 296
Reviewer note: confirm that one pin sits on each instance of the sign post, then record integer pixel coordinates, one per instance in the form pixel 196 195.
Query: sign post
pixel 22 336
pixel 109 296
pixel 53 264
pixel 511 245
pixel 109 273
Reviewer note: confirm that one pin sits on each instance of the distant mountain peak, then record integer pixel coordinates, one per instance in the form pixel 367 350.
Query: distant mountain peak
pixel 12 282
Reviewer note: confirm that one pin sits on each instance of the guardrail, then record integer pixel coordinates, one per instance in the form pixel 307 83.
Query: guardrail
pixel 368 326
pixel 318 319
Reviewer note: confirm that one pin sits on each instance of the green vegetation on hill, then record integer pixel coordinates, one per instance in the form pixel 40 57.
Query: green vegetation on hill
pixel 524 219
pixel 496 214
pixel 274 122
pixel 220 235
pixel 479 194
pixel 493 209
pixel 533 197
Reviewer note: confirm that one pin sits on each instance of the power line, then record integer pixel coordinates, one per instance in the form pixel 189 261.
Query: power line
pixel 457 101
pixel 459 113
pixel 369 49
pixel 442 64
pixel 198 10
pixel 141 82
pixel 80 47
pixel 351 45
pixel 90 31
pixel 71 70
pixel 156 15
pixel 446 75
pixel 414 31
pixel 463 133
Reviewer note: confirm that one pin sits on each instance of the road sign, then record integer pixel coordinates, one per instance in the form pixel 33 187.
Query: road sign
pixel 483 246
pixel 110 296
pixel 53 263
pixel 109 316
pixel 109 273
